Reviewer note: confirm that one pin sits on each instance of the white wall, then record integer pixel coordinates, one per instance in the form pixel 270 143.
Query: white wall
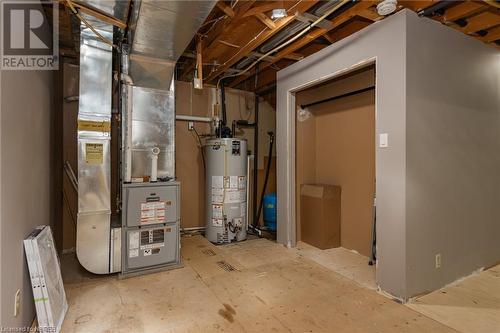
pixel 26 106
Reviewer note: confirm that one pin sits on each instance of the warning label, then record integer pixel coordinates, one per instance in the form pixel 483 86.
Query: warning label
pixel 217 195
pixel 93 153
pixel 153 212
pixel 217 222
pixel 217 211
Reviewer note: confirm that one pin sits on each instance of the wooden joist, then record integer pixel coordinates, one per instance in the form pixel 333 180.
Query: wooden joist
pixel 266 20
pixel 461 10
pixel 481 21
pixel 342 18
pixel 209 41
pixel 492 35
pixel 225 8
pixel 97 14
pixel 258 40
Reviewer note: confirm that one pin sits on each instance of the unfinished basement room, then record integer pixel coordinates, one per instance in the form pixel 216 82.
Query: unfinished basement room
pixel 250 166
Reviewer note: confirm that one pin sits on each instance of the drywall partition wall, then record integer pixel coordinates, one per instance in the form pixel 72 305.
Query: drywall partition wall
pixel 383 43
pixel 453 155
pixel 336 146
pixel 26 104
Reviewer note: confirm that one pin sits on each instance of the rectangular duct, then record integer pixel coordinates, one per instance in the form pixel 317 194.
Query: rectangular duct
pixel 94 142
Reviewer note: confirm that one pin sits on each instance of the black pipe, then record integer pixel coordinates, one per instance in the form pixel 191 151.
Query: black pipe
pixel 338 97
pixel 255 148
pixel 255 160
pixel 223 102
pixel 268 169
pixel 438 8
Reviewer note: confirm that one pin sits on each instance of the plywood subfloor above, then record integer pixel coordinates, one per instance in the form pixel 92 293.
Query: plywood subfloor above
pixel 253 286
pixel 470 306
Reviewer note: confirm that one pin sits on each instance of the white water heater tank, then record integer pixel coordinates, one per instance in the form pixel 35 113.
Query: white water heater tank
pixel 226 190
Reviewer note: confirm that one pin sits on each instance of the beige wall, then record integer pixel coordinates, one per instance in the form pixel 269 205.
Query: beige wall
pixel 337 146
pixel 26 111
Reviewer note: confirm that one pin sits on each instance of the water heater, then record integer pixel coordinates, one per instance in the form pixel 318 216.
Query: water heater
pixel 226 190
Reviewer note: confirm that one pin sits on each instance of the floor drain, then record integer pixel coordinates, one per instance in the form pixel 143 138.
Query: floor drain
pixel 208 252
pixel 226 266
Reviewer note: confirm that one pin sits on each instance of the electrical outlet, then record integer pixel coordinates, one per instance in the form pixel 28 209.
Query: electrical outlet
pixel 190 125
pixel 438 260
pixel 17 302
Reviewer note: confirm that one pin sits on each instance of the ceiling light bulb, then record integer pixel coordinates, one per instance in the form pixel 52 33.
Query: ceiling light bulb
pixel 386 7
pixel 278 13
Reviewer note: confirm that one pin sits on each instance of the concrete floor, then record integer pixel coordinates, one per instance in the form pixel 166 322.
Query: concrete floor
pixel 271 289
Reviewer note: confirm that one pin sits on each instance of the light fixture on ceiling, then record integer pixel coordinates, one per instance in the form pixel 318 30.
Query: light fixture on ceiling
pixel 386 7
pixel 278 13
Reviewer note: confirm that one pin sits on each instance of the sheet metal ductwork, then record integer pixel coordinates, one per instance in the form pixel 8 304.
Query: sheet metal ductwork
pixel 94 142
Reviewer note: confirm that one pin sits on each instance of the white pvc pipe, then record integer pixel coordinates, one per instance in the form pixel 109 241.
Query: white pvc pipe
pixel 193 118
pixel 128 135
pixel 154 164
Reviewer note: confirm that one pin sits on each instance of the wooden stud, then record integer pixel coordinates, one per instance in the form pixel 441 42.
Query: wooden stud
pixel 249 47
pixel 225 8
pixel 228 44
pixel 262 9
pixel 266 20
pixel 97 14
pixel 199 60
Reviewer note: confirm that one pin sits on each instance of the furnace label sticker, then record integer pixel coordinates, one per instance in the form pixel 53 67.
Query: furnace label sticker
pixel 227 181
pixel 133 240
pixel 217 211
pixel 153 212
pixel 217 182
pixel 242 182
pixel 133 253
pixel 232 196
pixel 217 195
pixel 94 153
pixel 233 182
pixel 217 222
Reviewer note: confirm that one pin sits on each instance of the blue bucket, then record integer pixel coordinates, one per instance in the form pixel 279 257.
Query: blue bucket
pixel 270 201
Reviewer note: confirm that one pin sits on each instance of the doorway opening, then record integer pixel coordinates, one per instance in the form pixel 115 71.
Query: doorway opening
pixel 335 174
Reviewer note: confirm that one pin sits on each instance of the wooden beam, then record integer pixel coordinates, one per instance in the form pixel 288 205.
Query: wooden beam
pixel 342 18
pixel 225 8
pixel 209 41
pixel 97 14
pixel 199 60
pixel 228 44
pixel 302 6
pixel 262 9
pixel 266 20
pixel 370 14
pixel 461 10
pixel 492 35
pixel 482 21
pixel 417 6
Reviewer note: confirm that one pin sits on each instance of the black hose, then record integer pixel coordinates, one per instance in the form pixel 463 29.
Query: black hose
pixel 268 169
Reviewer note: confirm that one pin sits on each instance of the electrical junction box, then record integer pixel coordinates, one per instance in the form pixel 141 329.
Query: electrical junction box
pixel 151 227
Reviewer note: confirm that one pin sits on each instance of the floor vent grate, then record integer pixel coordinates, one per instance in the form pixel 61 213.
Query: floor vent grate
pixel 226 266
pixel 208 252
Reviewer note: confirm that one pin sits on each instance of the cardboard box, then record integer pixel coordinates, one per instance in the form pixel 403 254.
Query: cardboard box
pixel 320 215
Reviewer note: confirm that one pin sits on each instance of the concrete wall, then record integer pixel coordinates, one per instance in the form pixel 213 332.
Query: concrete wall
pixel 453 155
pixel 385 42
pixel 26 109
